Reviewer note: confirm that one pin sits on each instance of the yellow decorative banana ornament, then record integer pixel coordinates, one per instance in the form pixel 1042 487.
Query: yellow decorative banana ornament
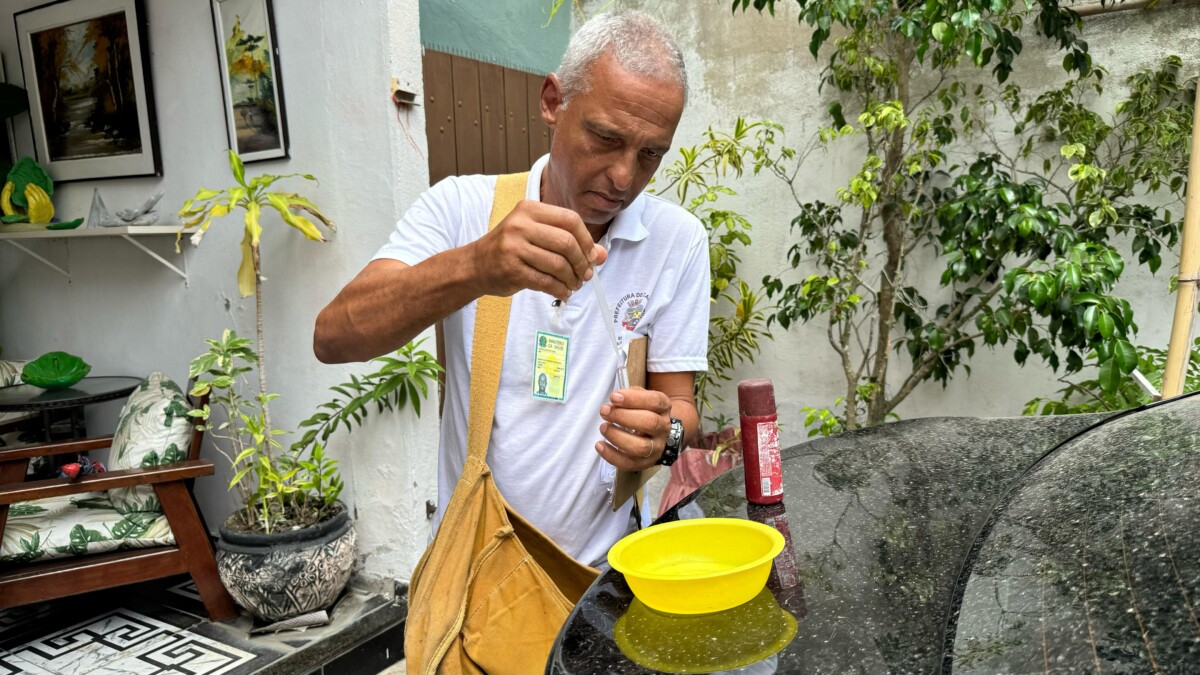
pixel 6 205
pixel 41 209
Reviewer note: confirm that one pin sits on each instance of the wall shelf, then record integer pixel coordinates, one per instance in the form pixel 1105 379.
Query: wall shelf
pixel 129 234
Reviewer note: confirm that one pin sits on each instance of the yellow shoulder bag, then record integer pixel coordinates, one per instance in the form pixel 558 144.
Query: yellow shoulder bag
pixel 491 592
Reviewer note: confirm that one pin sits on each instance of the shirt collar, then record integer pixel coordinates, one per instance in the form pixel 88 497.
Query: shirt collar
pixel 626 225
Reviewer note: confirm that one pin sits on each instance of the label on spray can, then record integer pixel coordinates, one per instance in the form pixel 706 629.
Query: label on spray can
pixel 769 467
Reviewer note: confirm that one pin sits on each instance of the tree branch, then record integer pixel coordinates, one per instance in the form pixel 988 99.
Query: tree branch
pixel 921 372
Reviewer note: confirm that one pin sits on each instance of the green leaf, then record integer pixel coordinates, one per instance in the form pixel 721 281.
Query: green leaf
pixel 1110 376
pixel 1113 260
pixel 1126 356
pixel 1072 276
pixel 939 31
pixel 1107 325
pixel 1089 319
pixel 239 170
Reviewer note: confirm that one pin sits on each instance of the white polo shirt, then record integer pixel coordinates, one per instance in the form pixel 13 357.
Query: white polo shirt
pixel 542 453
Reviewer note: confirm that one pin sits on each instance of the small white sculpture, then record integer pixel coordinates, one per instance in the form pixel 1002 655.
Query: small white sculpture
pixel 100 217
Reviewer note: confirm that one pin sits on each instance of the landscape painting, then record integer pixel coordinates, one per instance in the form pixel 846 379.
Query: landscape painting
pixel 90 100
pixel 250 78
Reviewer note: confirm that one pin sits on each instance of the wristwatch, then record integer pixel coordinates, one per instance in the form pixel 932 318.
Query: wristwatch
pixel 674 444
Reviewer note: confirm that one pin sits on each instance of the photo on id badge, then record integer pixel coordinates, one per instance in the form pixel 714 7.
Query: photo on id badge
pixel 550 366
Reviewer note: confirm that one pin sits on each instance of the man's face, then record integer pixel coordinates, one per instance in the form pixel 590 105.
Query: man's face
pixel 609 140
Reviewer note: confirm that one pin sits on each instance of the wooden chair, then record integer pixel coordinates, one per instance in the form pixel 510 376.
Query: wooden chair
pixel 25 583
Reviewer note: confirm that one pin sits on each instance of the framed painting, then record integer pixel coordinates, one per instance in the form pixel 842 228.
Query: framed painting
pixel 8 143
pixel 91 106
pixel 250 78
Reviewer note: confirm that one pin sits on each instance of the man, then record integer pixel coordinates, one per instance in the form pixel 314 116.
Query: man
pixel 614 105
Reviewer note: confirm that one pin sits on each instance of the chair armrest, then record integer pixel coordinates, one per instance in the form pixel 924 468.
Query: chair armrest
pixel 57 487
pixel 43 449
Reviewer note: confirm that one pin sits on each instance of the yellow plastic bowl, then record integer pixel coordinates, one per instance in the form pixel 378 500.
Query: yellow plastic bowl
pixel 697 566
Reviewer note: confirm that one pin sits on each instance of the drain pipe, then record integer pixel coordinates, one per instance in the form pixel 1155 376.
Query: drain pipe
pixel 1189 269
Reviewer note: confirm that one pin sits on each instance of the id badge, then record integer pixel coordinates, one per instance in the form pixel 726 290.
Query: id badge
pixel 550 354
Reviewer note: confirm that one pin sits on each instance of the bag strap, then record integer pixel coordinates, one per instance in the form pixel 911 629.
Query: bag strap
pixel 491 332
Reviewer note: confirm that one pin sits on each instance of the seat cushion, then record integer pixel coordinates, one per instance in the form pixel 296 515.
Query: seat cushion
pixel 74 525
pixel 153 428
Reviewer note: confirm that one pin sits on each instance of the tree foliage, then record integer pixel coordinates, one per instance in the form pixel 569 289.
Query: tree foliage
pixel 1087 395
pixel 1023 201
pixel 697 180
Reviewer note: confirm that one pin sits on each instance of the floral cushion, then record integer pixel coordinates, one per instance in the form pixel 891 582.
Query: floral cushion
pixel 58 527
pixel 153 429
pixel 10 372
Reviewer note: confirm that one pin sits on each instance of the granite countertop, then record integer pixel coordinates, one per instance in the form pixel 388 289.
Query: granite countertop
pixel 946 544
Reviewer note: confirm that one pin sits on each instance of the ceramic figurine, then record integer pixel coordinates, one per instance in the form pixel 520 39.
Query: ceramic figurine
pixel 142 216
pixel 25 197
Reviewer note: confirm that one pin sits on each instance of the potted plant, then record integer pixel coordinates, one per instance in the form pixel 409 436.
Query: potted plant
pixel 253 196
pixel 289 548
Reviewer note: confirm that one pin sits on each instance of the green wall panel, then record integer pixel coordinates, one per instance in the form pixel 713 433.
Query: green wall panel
pixel 511 33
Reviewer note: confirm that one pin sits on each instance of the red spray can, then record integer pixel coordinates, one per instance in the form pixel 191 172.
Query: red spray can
pixel 760 442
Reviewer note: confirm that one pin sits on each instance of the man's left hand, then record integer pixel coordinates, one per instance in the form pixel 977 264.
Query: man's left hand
pixel 636 424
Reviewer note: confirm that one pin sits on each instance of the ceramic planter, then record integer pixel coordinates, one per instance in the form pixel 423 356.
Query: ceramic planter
pixel 286 574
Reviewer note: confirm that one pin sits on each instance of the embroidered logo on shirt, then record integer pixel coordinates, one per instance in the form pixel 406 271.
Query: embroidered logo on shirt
pixel 630 310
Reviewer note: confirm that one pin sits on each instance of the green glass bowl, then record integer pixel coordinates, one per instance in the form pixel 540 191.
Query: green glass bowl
pixel 55 370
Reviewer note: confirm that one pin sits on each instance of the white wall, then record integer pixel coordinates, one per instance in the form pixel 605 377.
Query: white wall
pixel 126 314
pixel 759 66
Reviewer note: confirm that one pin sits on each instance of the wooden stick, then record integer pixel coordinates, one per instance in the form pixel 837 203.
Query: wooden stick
pixel 1189 268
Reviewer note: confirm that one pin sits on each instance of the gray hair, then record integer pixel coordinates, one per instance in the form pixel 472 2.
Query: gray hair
pixel 638 41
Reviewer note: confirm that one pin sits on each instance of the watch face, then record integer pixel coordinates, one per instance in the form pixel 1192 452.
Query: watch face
pixel 676 435
pixel 674 440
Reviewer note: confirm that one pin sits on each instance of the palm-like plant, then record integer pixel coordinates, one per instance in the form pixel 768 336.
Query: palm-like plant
pixel 254 197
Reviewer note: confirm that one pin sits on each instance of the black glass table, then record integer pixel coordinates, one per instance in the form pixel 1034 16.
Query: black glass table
pixel 1037 544
pixel 89 390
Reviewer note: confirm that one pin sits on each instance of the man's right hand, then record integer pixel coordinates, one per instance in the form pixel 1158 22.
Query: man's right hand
pixel 537 246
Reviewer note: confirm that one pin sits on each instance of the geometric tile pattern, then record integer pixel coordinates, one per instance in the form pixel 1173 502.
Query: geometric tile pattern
pixel 187 589
pixel 123 641
pixel 161 627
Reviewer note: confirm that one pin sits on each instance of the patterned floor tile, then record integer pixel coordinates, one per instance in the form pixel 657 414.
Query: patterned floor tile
pixel 11 665
pixel 160 628
pixel 178 593
pixel 182 652
pixel 233 635
pixel 85 646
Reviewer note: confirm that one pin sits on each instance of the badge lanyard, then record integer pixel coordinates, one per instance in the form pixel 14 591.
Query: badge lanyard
pixel 552 348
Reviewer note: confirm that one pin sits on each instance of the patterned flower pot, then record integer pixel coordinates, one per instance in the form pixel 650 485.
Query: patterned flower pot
pixel 285 574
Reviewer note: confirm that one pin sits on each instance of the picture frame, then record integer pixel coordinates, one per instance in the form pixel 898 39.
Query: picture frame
pixel 248 54
pixel 8 140
pixel 91 102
